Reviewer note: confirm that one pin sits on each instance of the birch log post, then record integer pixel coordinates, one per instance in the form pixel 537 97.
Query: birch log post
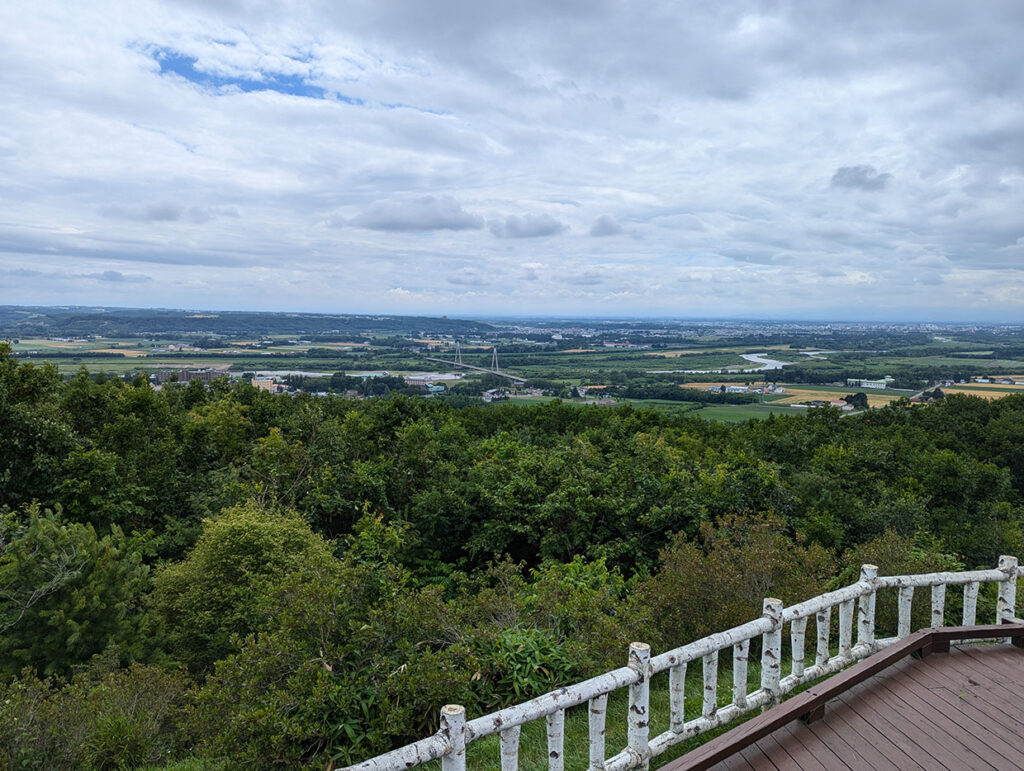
pixel 938 605
pixel 1006 602
pixel 556 740
pixel 677 697
pixel 906 604
pixel 823 626
pixel 639 726
pixel 453 725
pixel 710 684
pixel 866 608
pixel 510 748
pixel 797 637
pixel 771 651
pixel 970 603
pixel 846 629
pixel 598 708
pixel 740 655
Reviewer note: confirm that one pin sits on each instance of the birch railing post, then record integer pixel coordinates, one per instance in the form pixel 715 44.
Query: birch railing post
pixel 1006 602
pixel 970 603
pixel 556 740
pixel 598 715
pixel 510 748
pixel 677 697
pixel 453 726
pixel 710 684
pixel 866 608
pixel 797 636
pixel 771 651
pixel 906 604
pixel 740 655
pixel 846 629
pixel 938 605
pixel 823 627
pixel 640 703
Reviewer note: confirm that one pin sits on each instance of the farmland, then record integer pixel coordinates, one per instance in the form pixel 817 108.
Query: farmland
pixel 665 366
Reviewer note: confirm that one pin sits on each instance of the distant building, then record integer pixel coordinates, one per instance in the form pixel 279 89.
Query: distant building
pixel 267 384
pixel 854 382
pixel 185 375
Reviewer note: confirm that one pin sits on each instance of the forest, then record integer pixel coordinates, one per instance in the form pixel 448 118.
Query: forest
pixel 210 575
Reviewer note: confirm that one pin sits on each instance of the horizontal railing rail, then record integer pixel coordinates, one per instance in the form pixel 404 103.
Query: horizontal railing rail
pixel 449 743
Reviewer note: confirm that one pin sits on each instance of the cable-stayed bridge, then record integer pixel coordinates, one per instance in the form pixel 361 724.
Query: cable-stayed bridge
pixel 494 370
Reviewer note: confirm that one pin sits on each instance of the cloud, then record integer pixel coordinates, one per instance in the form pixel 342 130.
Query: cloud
pixel 467 277
pixel 230 136
pixel 426 213
pixel 586 278
pixel 117 277
pixel 157 212
pixel 605 225
pixel 860 177
pixel 527 226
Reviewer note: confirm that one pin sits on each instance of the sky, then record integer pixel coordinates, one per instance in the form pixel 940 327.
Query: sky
pixel 829 159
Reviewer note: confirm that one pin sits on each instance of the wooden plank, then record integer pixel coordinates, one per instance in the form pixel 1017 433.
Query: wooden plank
pixel 981 672
pixel 948 723
pixel 883 752
pixel 813 759
pixel 992 728
pixel 910 740
pixel 949 679
pixel 778 751
pixel 758 759
pixel 841 744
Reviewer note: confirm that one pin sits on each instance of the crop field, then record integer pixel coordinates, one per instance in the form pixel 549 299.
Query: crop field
pixel 984 390
pixel 740 413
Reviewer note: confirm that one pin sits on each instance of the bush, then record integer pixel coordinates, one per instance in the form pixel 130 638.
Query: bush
pixel 102 719
pixel 721 581
pixel 215 595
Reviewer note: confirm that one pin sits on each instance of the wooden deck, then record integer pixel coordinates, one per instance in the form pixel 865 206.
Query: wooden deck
pixel 958 710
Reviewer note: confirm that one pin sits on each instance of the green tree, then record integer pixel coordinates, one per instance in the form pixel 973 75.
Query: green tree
pixel 214 596
pixel 66 594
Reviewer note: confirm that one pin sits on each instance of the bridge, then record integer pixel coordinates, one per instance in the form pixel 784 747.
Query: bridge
pixel 458 362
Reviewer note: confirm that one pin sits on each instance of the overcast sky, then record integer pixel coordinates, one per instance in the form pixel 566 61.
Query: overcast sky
pixel 858 160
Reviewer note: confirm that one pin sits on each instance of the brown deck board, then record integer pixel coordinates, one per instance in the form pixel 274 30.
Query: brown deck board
pixel 941 725
pixel 905 733
pixel 989 724
pixel 958 710
pixel 954 690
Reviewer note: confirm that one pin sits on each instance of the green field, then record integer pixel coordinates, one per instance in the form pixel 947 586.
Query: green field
pixel 739 413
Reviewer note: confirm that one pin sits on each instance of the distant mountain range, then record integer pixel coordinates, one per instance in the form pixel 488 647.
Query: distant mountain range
pixel 80 321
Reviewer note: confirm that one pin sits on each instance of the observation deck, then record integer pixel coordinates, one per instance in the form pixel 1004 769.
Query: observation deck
pixel 858 703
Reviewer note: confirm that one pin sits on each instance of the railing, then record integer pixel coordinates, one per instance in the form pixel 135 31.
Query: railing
pixel 449 743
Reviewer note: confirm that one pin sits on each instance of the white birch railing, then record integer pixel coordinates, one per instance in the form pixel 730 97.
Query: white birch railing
pixel 455 733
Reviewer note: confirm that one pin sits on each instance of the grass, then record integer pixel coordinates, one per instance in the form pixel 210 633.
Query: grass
pixel 740 413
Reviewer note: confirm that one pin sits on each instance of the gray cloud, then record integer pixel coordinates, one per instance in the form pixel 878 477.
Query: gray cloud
pixel 157 212
pixel 118 277
pixel 426 213
pixel 467 277
pixel 862 177
pixel 587 278
pixel 527 226
pixel 605 225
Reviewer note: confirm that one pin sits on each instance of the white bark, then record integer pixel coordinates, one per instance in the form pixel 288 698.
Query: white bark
pixel 598 716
